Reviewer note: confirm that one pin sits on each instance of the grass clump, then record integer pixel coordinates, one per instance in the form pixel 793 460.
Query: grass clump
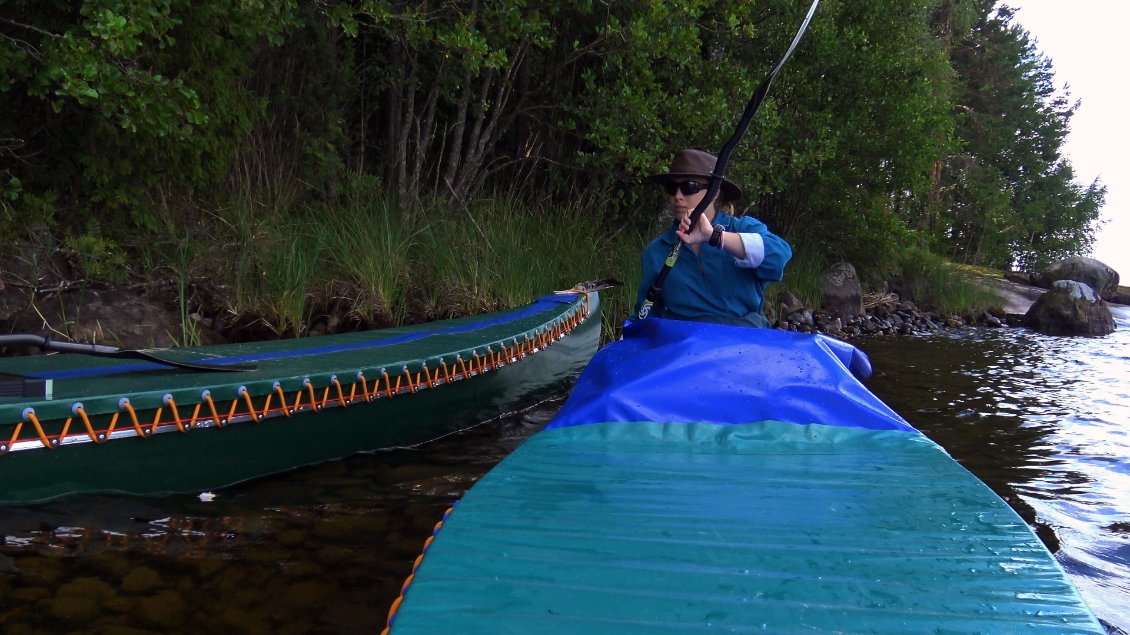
pixel 370 244
pixel 936 284
pixel 285 266
pixel 375 261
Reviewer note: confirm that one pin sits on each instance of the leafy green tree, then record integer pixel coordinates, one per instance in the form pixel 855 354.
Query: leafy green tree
pixel 108 102
pixel 858 124
pixel 933 122
pixel 1010 192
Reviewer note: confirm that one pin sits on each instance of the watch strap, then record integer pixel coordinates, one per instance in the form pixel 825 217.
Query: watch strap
pixel 716 237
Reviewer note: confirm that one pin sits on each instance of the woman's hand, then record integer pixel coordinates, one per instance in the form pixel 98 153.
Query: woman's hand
pixel 699 235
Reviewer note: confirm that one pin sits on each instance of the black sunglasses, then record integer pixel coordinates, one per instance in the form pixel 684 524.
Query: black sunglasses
pixel 688 188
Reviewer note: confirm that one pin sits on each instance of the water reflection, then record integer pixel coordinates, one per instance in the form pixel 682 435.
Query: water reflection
pixel 325 549
pixel 1042 420
pixel 320 550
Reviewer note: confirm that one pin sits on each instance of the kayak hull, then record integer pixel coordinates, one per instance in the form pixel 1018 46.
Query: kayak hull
pixel 649 506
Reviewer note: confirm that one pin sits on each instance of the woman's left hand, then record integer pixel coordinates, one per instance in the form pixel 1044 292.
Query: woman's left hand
pixel 701 233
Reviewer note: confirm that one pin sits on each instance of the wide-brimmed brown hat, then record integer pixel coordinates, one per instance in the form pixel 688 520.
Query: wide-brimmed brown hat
pixel 696 164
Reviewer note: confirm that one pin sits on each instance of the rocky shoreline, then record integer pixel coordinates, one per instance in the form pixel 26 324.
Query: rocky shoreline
pixel 890 318
pixel 888 315
pixel 136 319
pixel 1068 298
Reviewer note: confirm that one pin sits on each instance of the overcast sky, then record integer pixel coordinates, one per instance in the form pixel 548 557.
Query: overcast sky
pixel 1086 41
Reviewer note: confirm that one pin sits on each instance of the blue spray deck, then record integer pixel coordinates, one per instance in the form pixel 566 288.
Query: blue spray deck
pixel 707 478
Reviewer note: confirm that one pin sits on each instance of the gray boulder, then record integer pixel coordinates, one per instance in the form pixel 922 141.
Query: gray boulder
pixel 1070 308
pixel 1091 272
pixel 841 293
pixel 790 303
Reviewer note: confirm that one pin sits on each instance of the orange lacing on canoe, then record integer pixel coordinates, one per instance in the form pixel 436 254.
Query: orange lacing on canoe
pixel 29 415
pixel 156 421
pixel 176 415
pixel 206 412
pixel 364 387
pixel 124 404
pixel 207 397
pixel 310 390
pixel 340 393
pixel 415 565
pixel 94 436
pixel 282 399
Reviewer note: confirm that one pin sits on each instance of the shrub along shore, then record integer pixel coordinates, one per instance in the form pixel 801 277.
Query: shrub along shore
pixel 246 273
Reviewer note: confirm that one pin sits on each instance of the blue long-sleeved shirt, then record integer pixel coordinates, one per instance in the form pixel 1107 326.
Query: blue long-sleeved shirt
pixel 710 286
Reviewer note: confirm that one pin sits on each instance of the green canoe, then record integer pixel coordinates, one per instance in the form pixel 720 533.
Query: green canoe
pixel 74 423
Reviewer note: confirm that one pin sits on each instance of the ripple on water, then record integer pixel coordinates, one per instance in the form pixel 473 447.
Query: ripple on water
pixel 325 549
pixel 1051 433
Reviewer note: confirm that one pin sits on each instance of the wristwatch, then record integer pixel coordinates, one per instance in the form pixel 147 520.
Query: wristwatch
pixel 716 237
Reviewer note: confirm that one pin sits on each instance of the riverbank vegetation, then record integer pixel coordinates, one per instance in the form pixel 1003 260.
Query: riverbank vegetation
pixel 370 162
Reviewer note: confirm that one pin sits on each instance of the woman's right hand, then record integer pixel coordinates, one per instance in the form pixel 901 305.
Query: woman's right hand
pixel 701 233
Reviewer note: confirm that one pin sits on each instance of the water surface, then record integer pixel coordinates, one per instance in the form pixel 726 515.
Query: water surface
pixel 1045 422
pixel 325 549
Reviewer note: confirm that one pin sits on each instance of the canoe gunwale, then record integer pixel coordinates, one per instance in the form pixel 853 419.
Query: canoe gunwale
pixel 281 396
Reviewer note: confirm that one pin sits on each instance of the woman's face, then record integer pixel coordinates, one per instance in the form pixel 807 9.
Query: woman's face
pixel 684 195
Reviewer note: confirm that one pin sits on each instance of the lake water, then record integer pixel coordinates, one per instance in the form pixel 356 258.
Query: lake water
pixel 1045 422
pixel 325 549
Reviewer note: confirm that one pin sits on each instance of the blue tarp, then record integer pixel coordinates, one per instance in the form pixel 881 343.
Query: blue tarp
pixel 672 371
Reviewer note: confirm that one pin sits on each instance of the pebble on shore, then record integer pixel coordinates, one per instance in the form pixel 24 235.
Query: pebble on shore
pixel 887 315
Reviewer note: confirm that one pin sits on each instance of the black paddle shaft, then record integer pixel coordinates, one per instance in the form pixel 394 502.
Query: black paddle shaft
pixel 720 165
pixel 99 350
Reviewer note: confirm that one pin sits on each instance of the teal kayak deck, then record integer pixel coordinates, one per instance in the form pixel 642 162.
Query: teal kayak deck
pixel 706 478
pixel 767 527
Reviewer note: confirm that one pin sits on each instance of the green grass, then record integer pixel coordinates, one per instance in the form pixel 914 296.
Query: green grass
pixel 370 243
pixel 382 262
pixel 803 278
pixel 939 285
pixel 393 263
pixel 289 282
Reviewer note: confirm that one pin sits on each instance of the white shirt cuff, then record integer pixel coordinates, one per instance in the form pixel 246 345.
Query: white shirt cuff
pixel 754 251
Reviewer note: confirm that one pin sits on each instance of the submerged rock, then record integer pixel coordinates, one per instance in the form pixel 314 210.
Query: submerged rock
pixel 165 611
pixel 141 580
pixel 1070 308
pixel 74 611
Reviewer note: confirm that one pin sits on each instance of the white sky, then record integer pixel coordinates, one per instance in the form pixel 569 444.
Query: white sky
pixel 1086 41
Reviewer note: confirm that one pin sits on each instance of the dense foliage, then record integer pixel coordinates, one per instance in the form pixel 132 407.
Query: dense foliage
pixel 927 122
pixel 1007 195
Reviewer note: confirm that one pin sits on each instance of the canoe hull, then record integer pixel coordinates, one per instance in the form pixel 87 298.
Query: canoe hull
pixel 203 455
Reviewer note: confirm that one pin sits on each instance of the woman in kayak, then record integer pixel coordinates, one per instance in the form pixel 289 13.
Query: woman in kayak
pixel 726 260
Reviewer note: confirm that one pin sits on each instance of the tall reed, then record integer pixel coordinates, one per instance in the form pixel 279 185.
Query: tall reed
pixel 803 279
pixel 289 282
pixel 937 284
pixel 390 262
pixel 371 243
